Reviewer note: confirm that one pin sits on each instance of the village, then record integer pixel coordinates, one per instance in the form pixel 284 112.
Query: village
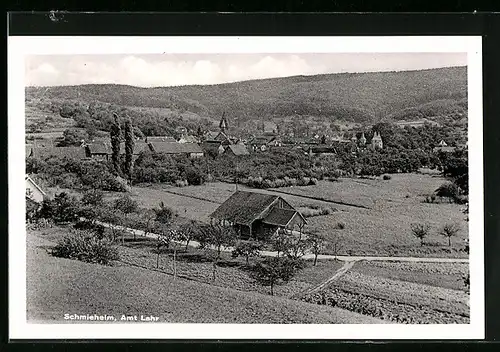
pixel 280 220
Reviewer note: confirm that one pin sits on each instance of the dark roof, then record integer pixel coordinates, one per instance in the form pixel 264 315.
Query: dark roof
pixel 217 136
pixel 160 139
pixel 262 139
pixel 279 216
pixel 99 148
pixel 323 149
pixel 238 149
pixel 175 148
pixel 138 147
pixel 70 152
pixel 243 207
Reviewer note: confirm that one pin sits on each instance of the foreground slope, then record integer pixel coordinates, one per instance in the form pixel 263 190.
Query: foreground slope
pixel 58 286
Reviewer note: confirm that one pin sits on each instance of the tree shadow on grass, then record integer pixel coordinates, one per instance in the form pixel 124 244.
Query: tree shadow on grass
pixel 193 257
pixel 229 264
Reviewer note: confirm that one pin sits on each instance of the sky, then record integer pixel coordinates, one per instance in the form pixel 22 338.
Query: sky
pixel 155 70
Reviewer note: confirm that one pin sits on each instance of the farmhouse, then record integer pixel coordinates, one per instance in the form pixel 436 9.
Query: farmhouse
pixel 193 150
pixel 220 138
pixel 257 215
pixel 33 191
pixel 270 127
pixel 264 142
pixel 99 151
pixel 236 150
pixel 188 139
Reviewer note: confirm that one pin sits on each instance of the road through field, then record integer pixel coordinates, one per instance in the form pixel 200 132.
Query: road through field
pixel 345 258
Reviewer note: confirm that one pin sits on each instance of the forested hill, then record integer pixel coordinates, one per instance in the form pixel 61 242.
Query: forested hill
pixel 357 97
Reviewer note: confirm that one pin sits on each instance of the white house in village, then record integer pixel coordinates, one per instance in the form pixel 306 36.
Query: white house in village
pixel 33 191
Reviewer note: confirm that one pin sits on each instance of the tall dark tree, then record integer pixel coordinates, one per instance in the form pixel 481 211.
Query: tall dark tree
pixel 116 132
pixel 129 148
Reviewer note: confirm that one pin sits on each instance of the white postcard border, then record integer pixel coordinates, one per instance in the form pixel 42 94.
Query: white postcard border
pixel 19 47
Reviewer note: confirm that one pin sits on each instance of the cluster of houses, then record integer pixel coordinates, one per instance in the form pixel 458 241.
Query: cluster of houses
pixel 218 142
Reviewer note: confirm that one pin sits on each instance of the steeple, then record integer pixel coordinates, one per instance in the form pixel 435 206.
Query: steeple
pixel 223 123
pixel 362 140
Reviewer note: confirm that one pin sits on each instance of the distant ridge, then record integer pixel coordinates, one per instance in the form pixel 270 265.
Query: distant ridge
pixel 359 97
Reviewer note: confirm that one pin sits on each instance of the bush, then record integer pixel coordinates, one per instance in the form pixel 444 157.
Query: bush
pixel 448 190
pixel 181 183
pixel 195 176
pixel 387 177
pixel 340 226
pixel 93 197
pixel 85 247
pixel 63 208
pixel 86 225
pixel 126 204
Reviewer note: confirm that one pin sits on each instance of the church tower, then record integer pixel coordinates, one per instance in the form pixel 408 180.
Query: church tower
pixel 223 123
pixel 362 140
pixel 377 141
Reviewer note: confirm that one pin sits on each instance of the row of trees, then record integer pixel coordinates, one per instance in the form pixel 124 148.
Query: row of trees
pixel 421 231
pixel 73 173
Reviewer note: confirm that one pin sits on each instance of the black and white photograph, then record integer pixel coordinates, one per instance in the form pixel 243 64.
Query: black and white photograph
pixel 267 184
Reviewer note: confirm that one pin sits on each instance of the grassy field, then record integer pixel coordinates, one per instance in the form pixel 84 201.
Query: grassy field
pixel 58 286
pixel 394 292
pixel 384 229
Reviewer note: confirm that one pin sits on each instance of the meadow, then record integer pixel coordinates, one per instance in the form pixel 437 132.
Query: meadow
pixel 382 228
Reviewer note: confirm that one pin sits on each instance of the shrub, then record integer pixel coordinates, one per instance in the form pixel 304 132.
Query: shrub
pixel 32 210
pixel 340 226
pixel 85 247
pixel 448 190
pixel 126 204
pixel 387 177
pixel 195 176
pixel 86 225
pixel 181 183
pixel 93 197
pixel 63 208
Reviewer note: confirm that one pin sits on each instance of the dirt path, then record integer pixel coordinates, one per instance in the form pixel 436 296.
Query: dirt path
pixel 348 265
pixel 321 256
pixel 320 199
